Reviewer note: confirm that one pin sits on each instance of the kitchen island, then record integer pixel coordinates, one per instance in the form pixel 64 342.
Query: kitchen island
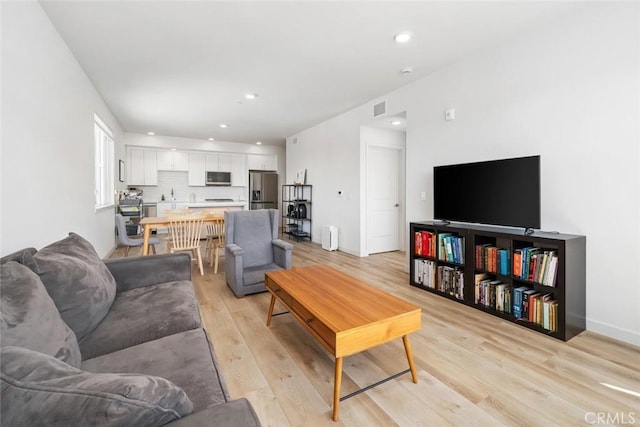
pixel 211 207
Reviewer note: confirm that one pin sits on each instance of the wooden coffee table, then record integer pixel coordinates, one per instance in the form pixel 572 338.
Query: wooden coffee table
pixel 344 314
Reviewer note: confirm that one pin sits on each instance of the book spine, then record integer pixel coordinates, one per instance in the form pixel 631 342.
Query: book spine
pixel 517 263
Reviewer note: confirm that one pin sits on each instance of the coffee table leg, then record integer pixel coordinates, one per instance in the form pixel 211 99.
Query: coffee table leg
pixel 336 389
pixel 412 366
pixel 273 302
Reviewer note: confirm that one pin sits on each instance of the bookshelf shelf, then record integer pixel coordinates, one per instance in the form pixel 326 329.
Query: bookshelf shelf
pixel 296 211
pixel 494 266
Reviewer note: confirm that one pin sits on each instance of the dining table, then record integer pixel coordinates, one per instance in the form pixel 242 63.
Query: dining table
pixel 149 223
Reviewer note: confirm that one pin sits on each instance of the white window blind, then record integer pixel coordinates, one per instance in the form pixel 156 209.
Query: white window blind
pixel 104 164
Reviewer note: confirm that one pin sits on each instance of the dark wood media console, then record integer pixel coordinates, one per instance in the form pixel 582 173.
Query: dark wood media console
pixel 474 265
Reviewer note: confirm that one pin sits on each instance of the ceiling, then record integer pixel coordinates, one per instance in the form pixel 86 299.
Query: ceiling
pixel 181 68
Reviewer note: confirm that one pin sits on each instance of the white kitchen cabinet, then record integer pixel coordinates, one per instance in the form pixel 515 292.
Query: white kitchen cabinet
pixel 169 160
pixel 264 162
pixel 238 170
pixel 218 162
pixel 197 169
pixel 143 167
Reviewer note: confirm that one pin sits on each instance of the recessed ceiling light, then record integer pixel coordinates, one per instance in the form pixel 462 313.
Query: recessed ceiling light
pixel 211 139
pixel 251 95
pixel 396 122
pixel 402 37
pixel 151 133
pixel 224 125
pixel 173 149
pixel 259 142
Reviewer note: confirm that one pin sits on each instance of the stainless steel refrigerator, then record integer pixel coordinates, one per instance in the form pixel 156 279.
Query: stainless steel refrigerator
pixel 263 190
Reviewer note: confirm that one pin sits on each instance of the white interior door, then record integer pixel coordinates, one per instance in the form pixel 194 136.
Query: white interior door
pixel 383 199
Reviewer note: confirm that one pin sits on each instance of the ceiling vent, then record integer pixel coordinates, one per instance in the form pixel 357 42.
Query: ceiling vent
pixel 379 109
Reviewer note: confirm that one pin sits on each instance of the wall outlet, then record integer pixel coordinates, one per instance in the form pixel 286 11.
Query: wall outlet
pixel 450 114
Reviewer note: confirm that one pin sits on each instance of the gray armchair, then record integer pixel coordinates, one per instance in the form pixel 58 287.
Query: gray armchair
pixel 253 248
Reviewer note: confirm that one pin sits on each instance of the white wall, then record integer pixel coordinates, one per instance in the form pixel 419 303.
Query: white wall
pixel 47 153
pixel 569 92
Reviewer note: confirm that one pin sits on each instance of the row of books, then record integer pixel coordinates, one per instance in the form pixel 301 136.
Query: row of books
pixel 445 246
pixel 492 259
pixel 492 293
pixel 535 307
pixel 451 248
pixel 443 278
pixel 536 265
pixel 424 243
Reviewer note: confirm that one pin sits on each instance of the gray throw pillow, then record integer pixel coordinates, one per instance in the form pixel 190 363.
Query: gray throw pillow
pixel 38 389
pixel 29 318
pixel 79 283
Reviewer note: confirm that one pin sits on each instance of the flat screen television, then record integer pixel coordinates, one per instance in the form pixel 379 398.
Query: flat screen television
pixel 498 192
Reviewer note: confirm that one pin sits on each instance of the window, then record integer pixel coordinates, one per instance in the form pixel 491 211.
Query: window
pixel 104 164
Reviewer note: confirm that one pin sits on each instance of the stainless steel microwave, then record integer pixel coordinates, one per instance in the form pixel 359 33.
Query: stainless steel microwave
pixel 218 178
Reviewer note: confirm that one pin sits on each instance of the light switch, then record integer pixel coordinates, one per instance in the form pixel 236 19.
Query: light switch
pixel 423 195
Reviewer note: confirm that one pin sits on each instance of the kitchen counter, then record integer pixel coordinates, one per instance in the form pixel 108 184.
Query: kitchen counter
pixel 214 204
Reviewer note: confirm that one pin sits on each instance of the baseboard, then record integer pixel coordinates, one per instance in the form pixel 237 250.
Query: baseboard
pixel 626 335
pixel 110 253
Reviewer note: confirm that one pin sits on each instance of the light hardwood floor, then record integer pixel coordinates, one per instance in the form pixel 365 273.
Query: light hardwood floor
pixel 473 368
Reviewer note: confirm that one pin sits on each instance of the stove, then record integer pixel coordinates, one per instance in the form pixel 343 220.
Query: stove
pixel 218 200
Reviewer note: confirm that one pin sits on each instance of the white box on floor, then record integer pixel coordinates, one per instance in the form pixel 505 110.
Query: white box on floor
pixel 330 238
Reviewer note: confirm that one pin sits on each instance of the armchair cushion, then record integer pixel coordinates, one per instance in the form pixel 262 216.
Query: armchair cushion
pixel 77 280
pixel 29 318
pixel 34 384
pixel 254 235
pixel 253 275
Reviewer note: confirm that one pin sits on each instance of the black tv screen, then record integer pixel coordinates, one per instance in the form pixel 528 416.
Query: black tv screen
pixel 498 192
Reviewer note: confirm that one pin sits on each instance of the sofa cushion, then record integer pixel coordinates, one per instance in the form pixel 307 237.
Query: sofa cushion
pixel 77 280
pixel 144 314
pixel 186 359
pixel 30 319
pixel 234 413
pixel 38 389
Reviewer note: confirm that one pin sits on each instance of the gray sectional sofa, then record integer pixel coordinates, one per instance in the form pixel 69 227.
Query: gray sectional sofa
pixel 116 342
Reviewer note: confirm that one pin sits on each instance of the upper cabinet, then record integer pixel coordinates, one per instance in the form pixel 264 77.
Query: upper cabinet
pixel 143 167
pixel 265 162
pixel 169 160
pixel 218 162
pixel 145 163
pixel 238 170
pixel 197 170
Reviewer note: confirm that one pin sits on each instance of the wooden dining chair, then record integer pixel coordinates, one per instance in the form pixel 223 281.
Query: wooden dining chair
pixel 174 213
pixel 185 235
pixel 215 241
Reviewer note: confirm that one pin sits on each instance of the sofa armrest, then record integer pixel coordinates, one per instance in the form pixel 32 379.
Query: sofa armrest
pixel 136 272
pixel 237 413
pixel 282 253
